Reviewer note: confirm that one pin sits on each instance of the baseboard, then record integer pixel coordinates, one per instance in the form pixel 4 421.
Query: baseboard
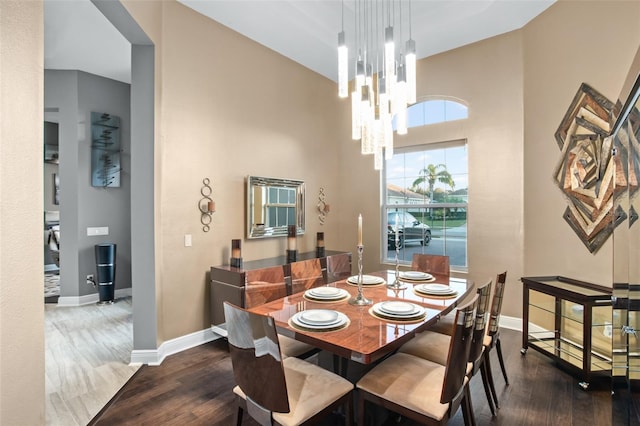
pixel 173 346
pixel 88 299
pixel 512 323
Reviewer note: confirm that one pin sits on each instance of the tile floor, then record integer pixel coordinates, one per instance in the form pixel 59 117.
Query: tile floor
pixel 87 354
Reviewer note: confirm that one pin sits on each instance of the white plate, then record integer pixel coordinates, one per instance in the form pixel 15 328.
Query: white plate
pixel 366 279
pixel 415 275
pixel 398 308
pixel 417 313
pixel 325 292
pixel 441 288
pixel 319 316
pixel 335 295
pixel 436 291
pixel 339 322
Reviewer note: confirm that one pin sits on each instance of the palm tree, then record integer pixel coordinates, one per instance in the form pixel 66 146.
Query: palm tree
pixel 431 174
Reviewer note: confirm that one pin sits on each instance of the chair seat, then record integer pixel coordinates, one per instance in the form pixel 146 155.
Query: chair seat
pixel 310 388
pixel 428 345
pixel 408 381
pixel 445 325
pixel 295 348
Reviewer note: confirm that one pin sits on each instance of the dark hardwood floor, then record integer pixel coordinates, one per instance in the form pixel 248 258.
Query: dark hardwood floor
pixel 194 387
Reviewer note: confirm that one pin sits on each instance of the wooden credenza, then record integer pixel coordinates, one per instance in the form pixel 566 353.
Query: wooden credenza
pixel 259 281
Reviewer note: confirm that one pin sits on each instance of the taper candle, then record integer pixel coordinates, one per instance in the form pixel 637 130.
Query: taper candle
pixel 360 229
pixel 397 226
pixel 291 238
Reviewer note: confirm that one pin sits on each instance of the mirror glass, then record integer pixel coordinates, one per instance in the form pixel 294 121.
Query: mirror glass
pixel 272 205
pixel 626 249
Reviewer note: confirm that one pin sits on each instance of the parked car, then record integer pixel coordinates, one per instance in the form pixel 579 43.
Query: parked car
pixel 410 230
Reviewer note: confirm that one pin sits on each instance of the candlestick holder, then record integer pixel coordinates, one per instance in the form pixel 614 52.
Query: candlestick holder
pixel 320 244
pixel 236 256
pixel 359 299
pixel 292 256
pixel 397 284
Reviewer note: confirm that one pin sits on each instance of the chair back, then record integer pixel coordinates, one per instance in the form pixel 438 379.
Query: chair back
pixel 338 267
pixel 496 304
pixel 305 274
pixel 456 368
pixel 480 326
pixel 256 359
pixel 431 263
pixel 264 285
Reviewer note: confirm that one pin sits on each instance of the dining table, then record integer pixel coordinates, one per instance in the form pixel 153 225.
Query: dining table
pixel 366 334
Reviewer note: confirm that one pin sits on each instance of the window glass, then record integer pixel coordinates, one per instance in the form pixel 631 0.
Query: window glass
pixel 434 111
pixel 425 203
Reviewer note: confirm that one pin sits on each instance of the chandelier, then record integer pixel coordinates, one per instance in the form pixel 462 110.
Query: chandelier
pixel 384 82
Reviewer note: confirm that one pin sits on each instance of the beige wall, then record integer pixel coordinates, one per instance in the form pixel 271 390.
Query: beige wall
pixel 600 55
pixel 228 108
pixel 21 221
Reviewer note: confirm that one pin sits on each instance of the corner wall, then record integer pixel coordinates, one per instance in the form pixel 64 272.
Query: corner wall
pixel 22 386
pixel 217 118
pixel 488 76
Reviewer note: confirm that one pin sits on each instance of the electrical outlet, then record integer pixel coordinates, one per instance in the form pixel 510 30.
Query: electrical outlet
pixel 90 279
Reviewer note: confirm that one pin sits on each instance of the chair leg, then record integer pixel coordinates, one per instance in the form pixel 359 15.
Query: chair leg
pixel 467 408
pixel 239 416
pixel 349 411
pixel 361 403
pixel 487 364
pixel 487 391
pixel 504 371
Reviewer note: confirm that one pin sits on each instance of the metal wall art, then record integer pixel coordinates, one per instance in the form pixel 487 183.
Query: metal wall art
pixel 586 172
pixel 323 207
pixel 105 150
pixel 206 205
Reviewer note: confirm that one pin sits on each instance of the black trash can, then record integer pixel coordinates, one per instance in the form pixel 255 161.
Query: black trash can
pixel 106 271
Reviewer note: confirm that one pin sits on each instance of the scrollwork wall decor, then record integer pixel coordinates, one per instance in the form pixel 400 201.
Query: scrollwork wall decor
pixel 323 207
pixel 585 172
pixel 206 205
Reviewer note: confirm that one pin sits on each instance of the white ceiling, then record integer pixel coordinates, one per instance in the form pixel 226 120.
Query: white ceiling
pixel 78 36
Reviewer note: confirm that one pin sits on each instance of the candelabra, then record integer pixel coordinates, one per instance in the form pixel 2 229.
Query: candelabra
pixel 360 299
pixel 397 284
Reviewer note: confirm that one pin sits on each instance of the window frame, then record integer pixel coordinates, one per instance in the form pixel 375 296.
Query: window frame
pixel 385 207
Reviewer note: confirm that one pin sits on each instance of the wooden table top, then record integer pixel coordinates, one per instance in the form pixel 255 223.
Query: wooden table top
pixel 367 338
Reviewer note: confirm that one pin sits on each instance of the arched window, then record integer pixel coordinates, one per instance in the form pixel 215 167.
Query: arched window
pixel 434 111
pixel 425 192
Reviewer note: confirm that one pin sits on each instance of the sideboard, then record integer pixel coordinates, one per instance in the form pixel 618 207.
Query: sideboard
pixel 569 321
pixel 259 281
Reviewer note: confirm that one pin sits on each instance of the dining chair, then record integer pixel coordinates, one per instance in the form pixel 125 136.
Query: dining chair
pixel 265 285
pixel 305 274
pixel 492 337
pixel 273 389
pixel 422 390
pixel 433 346
pixel 338 267
pixel 431 263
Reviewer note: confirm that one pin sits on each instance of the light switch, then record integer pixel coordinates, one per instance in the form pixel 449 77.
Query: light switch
pixel 187 240
pixel 101 230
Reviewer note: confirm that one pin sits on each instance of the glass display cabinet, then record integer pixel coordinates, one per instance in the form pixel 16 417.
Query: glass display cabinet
pixel 569 321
